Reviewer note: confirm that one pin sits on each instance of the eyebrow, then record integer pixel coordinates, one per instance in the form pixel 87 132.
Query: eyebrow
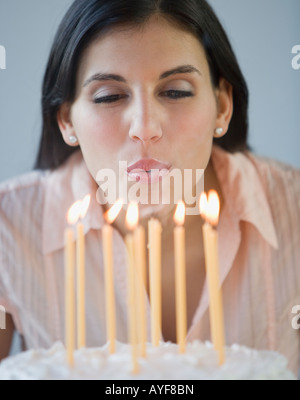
pixel 182 69
pixel 104 77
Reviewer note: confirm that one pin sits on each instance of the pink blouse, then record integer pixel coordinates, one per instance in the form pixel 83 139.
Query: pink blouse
pixel 259 238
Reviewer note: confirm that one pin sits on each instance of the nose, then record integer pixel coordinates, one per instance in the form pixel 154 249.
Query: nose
pixel 145 124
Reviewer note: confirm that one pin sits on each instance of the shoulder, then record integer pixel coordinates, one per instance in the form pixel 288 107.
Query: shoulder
pixel 249 166
pixel 247 171
pixel 21 191
pixel 281 185
pixel 278 178
pixel 259 185
pixel 21 200
pixel 26 182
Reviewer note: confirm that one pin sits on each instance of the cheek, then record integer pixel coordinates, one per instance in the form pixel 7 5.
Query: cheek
pixel 97 136
pixel 195 127
pixel 95 130
pixel 196 123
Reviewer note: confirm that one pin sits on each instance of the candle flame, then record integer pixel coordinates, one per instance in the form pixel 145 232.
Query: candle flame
pixel 132 216
pixel 85 205
pixel 213 208
pixel 78 210
pixel 203 205
pixel 74 212
pixel 179 216
pixel 114 211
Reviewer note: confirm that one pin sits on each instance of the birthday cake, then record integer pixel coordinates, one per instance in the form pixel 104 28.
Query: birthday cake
pixel 199 362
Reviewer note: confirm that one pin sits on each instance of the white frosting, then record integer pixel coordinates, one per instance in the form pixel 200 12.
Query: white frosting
pixel 199 362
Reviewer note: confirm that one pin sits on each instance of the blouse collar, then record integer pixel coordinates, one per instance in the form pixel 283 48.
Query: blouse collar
pixel 243 191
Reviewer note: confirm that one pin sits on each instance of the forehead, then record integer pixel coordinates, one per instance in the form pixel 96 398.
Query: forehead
pixel 155 46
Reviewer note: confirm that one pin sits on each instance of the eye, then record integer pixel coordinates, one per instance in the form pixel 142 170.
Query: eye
pixel 113 98
pixel 177 94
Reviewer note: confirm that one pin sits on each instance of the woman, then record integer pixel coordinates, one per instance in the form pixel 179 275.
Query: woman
pixel 154 84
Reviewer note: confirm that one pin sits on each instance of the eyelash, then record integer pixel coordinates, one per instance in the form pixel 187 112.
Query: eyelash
pixel 109 99
pixel 171 94
pixel 177 94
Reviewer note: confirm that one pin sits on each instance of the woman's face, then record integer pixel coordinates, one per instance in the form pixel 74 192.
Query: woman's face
pixel 144 96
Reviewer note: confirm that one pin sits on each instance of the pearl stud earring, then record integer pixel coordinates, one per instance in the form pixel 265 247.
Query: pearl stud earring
pixel 219 131
pixel 73 139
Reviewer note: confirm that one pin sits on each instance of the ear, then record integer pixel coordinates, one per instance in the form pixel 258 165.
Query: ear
pixel 65 125
pixel 225 105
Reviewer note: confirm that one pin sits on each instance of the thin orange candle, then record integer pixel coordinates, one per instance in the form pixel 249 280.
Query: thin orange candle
pixel 80 252
pixel 70 333
pixel 141 271
pixel 180 276
pixel 131 221
pixel 107 234
pixel 154 246
pixel 210 209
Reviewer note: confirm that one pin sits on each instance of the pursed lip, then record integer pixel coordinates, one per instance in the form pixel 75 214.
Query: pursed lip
pixel 148 170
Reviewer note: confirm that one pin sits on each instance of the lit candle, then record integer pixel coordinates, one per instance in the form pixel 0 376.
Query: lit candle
pixel 140 262
pixel 154 246
pixel 107 233
pixel 180 276
pixel 80 250
pixel 210 209
pixel 131 222
pixel 72 218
